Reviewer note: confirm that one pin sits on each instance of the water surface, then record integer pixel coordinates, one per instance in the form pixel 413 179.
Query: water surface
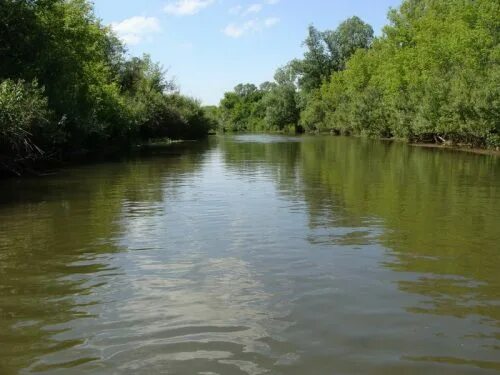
pixel 255 254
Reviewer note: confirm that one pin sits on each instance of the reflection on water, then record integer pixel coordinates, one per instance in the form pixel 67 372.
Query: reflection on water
pixel 255 254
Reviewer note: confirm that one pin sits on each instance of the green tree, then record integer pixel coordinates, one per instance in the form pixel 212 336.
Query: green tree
pixel 23 111
pixel 96 96
pixel 433 76
pixel 316 64
pixel 351 35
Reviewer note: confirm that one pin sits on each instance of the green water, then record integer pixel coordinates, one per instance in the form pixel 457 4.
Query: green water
pixel 255 254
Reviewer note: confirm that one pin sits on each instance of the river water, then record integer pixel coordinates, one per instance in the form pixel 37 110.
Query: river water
pixel 255 254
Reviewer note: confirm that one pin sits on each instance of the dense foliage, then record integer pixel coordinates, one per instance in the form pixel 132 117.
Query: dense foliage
pixel 67 84
pixel 433 76
pixel 279 105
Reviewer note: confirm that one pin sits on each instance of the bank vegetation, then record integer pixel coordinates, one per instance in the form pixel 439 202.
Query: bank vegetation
pixel 432 76
pixel 67 85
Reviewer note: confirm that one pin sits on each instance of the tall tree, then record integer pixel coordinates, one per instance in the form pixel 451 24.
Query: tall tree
pixel 351 35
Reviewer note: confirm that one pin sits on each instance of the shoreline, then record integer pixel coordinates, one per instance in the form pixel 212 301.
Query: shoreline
pixel 50 166
pixel 470 150
pixel 42 168
pixel 461 148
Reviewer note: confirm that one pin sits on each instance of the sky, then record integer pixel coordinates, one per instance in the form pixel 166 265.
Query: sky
pixel 209 46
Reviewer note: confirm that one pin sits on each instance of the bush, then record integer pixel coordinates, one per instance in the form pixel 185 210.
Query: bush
pixel 92 95
pixel 174 116
pixel 23 115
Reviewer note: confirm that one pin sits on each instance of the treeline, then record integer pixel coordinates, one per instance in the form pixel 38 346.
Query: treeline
pixel 433 76
pixel 67 85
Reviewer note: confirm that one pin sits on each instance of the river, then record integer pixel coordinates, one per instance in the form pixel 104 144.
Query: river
pixel 255 254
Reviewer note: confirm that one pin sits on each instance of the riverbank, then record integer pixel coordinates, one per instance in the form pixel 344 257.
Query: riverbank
pixel 48 166
pixel 472 150
pixel 44 166
pixel 448 147
pixel 457 147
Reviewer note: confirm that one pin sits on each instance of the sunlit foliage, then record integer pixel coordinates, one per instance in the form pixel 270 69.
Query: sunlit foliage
pixel 433 76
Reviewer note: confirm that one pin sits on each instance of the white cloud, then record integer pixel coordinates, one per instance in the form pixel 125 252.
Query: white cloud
pixel 253 8
pixel 236 9
pixel 234 30
pixel 186 7
pixel 133 30
pixel 271 21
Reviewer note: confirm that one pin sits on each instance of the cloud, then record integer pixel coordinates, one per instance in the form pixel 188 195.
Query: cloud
pixel 234 30
pixel 236 9
pixel 253 8
pixel 271 21
pixel 186 7
pixel 133 30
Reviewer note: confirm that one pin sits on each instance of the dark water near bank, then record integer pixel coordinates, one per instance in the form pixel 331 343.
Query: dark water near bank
pixel 255 255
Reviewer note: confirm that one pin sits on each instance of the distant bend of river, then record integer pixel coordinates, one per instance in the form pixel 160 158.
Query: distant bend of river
pixel 255 254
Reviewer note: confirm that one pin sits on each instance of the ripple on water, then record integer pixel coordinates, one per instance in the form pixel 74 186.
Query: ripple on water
pixel 255 254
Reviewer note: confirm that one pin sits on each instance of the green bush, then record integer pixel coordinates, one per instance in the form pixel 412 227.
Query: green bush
pixel 90 95
pixel 23 115
pixel 433 76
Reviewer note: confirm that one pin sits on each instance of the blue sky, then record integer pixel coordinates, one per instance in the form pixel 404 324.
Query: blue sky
pixel 210 46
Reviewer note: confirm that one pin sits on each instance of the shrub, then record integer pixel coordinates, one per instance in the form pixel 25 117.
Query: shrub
pixel 23 115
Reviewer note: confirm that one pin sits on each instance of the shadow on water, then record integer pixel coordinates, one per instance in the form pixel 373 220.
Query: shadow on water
pixel 56 247
pixel 436 213
pixel 440 213
pixel 252 254
pixel 440 210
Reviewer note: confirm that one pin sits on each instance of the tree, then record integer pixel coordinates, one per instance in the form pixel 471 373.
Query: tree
pixel 315 65
pixel 351 35
pixel 282 112
pixel 433 76
pixel 95 94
